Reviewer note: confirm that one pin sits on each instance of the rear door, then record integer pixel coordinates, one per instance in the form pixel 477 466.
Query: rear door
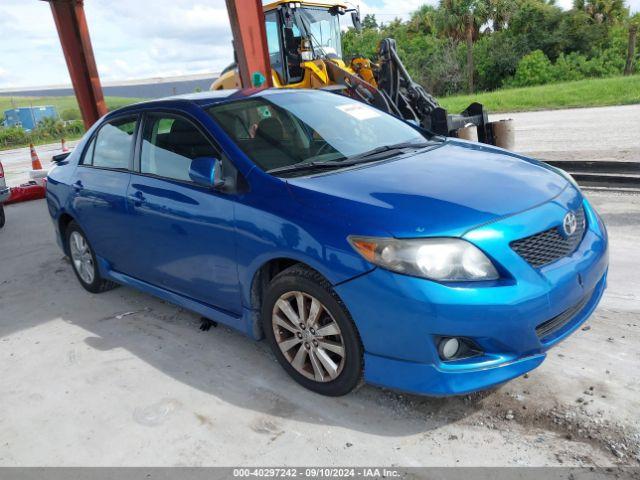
pixel 183 237
pixel 100 188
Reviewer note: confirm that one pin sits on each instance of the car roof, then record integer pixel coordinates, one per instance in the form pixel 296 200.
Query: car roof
pixel 209 98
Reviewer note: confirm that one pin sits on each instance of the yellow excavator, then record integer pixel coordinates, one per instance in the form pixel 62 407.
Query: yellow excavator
pixel 305 51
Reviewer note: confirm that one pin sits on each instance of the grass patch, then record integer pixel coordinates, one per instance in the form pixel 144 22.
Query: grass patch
pixel 61 103
pixel 593 92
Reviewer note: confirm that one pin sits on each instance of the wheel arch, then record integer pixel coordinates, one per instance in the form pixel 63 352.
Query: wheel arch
pixel 64 219
pixel 261 275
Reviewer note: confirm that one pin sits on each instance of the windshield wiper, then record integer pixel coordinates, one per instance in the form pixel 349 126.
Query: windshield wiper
pixel 311 166
pixel 365 157
pixel 388 148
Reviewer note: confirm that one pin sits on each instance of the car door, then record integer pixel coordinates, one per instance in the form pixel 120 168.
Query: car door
pixel 183 237
pixel 100 188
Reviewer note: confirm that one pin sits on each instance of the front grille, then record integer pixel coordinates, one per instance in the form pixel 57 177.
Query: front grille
pixel 556 323
pixel 548 246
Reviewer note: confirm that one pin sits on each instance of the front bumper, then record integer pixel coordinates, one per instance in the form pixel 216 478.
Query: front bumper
pixel 399 317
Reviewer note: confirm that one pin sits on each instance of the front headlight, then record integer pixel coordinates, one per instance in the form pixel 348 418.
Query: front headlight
pixel 441 259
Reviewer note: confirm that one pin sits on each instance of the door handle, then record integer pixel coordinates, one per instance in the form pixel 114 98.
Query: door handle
pixel 137 198
pixel 77 186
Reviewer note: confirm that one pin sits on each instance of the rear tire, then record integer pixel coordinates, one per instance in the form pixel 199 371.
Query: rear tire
pixel 2 217
pixel 320 348
pixel 83 261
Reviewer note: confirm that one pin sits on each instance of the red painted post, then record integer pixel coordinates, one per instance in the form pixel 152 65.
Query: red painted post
pixel 76 45
pixel 250 42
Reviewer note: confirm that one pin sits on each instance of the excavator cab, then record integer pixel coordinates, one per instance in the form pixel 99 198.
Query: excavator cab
pixel 301 36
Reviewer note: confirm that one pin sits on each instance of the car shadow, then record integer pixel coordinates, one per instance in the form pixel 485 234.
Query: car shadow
pixel 221 362
pixel 237 370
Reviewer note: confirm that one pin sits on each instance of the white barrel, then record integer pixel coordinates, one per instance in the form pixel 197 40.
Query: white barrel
pixel 504 133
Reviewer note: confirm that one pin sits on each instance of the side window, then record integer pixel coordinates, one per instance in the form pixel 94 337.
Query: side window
pixel 168 146
pixel 113 144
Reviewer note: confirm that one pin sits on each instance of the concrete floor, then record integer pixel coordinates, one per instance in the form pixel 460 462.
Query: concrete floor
pixel 122 378
pixel 603 133
pixel 17 161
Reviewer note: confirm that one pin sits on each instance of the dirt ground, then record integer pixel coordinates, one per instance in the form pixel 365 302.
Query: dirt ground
pixel 122 378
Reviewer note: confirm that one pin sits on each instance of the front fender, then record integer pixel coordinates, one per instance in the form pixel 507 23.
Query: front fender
pixel 271 225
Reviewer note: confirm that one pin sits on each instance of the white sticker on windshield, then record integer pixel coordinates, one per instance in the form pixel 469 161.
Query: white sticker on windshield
pixel 361 112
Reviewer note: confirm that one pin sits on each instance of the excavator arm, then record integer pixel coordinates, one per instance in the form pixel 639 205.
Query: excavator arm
pixel 416 104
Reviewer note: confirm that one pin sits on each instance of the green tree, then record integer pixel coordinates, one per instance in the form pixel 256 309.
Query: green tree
pixel 579 32
pixel 534 69
pixel 462 19
pixel 363 43
pixel 484 44
pixel 423 21
pixel 603 11
pixel 369 22
pixel 500 13
pixel 634 25
pixel 496 57
pixel 535 24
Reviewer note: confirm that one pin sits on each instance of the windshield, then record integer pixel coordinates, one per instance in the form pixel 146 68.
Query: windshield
pixel 288 128
pixel 324 30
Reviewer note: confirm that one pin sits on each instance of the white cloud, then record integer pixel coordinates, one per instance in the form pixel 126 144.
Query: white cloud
pixel 387 10
pixel 130 40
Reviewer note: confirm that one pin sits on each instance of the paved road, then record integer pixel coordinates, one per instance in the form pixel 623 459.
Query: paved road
pixel 122 378
pixel 605 133
pixel 17 162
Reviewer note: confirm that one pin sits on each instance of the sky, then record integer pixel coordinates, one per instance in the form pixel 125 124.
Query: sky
pixel 139 39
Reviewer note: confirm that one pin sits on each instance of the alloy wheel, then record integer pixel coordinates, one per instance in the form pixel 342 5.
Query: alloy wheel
pixel 81 257
pixel 308 336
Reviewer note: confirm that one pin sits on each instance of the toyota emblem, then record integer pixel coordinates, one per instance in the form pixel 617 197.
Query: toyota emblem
pixel 569 224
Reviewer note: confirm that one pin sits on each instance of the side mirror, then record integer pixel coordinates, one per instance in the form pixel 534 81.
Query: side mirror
pixel 355 18
pixel 206 171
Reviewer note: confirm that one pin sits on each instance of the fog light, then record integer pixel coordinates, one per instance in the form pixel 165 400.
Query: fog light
pixel 448 348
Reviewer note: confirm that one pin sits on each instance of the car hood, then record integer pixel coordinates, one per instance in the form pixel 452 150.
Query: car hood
pixel 442 191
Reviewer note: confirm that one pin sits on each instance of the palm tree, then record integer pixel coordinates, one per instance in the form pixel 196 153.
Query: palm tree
pixel 634 24
pixel 423 20
pixel 462 19
pixel 603 11
pixel 500 12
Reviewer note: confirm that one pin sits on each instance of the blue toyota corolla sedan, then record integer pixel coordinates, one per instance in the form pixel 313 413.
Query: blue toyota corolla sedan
pixel 361 247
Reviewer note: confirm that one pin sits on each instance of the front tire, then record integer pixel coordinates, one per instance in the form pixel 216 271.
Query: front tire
pixel 311 332
pixel 83 261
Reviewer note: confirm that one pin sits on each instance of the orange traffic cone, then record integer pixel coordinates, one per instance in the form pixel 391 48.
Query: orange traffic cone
pixel 64 146
pixel 35 161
